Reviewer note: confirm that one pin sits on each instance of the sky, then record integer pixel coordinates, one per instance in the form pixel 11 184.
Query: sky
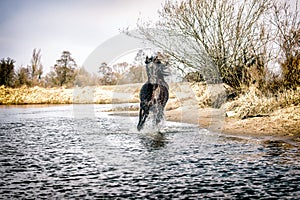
pixel 72 25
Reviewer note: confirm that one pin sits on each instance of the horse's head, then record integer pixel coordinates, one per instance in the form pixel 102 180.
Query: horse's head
pixel 155 70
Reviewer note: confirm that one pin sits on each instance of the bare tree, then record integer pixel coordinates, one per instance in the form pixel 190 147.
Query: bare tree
pixel 120 68
pixel 287 23
pixel 23 77
pixel 219 38
pixel 36 67
pixel 134 72
pixel 107 75
pixel 84 78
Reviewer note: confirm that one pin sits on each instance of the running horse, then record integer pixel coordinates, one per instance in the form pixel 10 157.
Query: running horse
pixel 154 93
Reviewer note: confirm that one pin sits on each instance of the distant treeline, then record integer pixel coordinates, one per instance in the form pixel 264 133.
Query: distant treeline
pixel 66 72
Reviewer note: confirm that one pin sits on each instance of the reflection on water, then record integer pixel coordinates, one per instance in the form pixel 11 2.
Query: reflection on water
pixel 47 152
pixel 281 151
pixel 157 141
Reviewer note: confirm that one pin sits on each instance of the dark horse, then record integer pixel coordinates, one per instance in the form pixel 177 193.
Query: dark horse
pixel 154 93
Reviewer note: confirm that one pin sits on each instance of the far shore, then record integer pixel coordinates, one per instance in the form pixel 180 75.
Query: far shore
pixel 188 103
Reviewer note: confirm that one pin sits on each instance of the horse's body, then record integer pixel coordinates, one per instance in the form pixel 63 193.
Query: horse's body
pixel 154 93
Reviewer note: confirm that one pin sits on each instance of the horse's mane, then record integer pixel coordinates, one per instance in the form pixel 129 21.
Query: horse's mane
pixel 163 70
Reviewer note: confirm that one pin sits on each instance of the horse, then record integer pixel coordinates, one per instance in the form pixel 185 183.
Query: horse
pixel 154 94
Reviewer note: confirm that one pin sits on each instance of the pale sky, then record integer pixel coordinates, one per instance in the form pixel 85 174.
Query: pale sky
pixel 73 25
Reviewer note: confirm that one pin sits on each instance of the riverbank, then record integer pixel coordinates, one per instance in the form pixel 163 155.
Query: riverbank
pixel 250 114
pixel 201 104
pixel 77 95
pixel 282 124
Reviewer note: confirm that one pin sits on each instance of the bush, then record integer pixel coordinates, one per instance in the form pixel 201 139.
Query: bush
pixel 255 103
pixel 291 72
pixel 194 77
pixel 7 72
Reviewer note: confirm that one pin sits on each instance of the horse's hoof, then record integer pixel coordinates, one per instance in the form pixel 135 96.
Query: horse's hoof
pixel 139 128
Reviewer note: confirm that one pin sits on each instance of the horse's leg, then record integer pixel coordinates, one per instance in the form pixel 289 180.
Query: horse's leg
pixel 163 98
pixel 145 98
pixel 144 112
pixel 140 116
pixel 159 114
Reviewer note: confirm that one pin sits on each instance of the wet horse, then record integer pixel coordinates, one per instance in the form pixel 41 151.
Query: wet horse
pixel 154 93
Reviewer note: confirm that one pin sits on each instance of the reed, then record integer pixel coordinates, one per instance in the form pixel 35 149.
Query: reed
pixel 255 103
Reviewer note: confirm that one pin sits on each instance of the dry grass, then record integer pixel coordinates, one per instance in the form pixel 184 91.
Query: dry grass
pixel 254 103
pixel 250 104
pixel 35 95
pixel 201 94
pixel 38 95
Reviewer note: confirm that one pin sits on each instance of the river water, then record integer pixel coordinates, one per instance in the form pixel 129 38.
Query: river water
pixel 80 152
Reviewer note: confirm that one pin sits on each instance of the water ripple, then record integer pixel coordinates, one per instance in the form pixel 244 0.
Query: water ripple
pixel 67 158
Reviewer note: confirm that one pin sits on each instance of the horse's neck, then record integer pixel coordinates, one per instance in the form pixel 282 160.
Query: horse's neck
pixel 163 83
pixel 160 82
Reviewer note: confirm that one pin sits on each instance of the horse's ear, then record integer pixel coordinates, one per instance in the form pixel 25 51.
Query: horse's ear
pixel 156 60
pixel 147 60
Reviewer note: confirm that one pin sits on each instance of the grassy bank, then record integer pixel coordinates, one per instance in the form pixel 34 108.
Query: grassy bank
pixel 254 103
pixel 95 94
pixel 251 113
pixel 250 104
pixel 35 95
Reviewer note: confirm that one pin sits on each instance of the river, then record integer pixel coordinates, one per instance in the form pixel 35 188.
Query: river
pixel 81 152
